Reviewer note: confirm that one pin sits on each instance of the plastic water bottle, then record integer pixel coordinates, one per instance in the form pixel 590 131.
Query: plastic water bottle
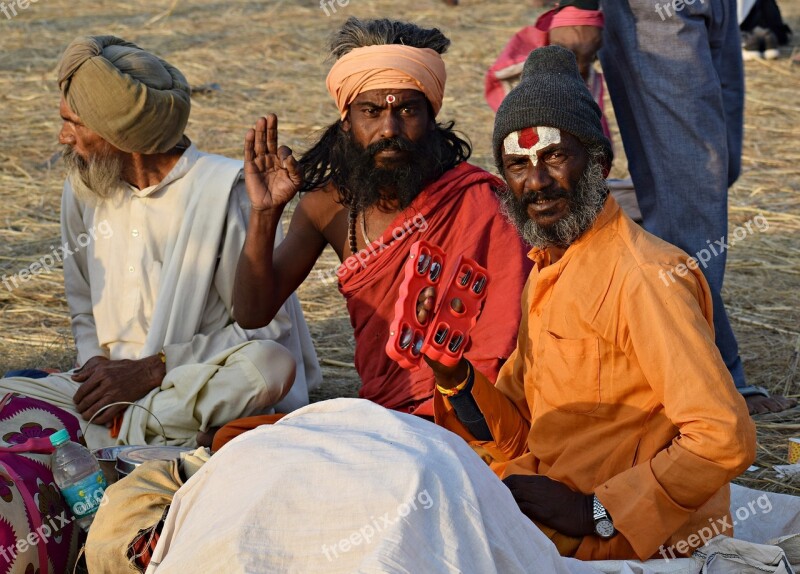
pixel 77 473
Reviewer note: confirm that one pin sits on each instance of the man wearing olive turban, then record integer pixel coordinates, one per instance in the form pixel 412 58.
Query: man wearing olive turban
pixel 152 229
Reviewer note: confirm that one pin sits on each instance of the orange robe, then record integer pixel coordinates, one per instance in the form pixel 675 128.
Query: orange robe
pixel 234 428
pixel 617 388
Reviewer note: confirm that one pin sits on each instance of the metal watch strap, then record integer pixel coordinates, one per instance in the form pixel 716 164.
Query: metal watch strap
pixel 603 525
pixel 598 510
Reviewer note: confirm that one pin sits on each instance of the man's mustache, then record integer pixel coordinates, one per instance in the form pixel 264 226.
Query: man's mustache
pixel 71 157
pixel 546 195
pixel 393 144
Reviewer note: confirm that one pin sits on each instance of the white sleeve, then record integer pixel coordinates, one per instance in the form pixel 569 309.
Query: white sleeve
pixel 76 278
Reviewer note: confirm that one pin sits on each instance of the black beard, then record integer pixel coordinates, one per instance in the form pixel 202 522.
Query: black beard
pixel 363 184
pixel 585 203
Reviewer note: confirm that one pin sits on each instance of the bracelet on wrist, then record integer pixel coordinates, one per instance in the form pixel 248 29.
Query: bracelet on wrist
pixel 459 387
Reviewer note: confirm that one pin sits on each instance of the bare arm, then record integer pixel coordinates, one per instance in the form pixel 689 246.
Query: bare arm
pixel 265 278
pixel 583 41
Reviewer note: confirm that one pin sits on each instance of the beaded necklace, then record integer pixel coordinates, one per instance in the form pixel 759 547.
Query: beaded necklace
pixel 353 215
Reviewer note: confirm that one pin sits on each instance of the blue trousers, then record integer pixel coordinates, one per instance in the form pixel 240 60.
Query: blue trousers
pixel 30 373
pixel 677 85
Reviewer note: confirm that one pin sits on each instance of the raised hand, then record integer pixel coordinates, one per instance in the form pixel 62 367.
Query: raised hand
pixel 446 377
pixel 271 174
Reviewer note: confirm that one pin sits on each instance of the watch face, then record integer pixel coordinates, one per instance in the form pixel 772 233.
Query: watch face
pixel 604 528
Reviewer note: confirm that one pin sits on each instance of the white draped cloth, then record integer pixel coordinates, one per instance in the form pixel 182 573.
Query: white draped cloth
pixel 348 486
pixel 154 269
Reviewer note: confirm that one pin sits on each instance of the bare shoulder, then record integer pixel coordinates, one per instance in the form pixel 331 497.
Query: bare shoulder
pixel 321 206
pixel 320 209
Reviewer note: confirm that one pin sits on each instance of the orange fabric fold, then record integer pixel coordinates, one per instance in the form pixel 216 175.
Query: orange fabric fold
pixel 388 66
pixel 234 428
pixel 116 425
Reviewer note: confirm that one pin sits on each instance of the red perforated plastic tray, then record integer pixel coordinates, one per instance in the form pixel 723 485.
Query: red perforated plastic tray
pixel 460 292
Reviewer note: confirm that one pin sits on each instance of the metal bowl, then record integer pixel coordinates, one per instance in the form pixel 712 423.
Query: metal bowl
pixel 107 457
pixel 130 459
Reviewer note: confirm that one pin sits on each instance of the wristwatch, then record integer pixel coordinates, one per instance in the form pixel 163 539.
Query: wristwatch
pixel 603 526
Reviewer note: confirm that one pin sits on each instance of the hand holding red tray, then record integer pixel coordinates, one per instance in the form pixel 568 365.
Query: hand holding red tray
pixel 436 308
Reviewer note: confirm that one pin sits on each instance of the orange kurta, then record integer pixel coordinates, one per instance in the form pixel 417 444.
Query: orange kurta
pixel 616 387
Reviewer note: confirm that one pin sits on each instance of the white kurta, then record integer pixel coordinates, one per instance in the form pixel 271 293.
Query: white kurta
pixel 154 269
pixel 122 251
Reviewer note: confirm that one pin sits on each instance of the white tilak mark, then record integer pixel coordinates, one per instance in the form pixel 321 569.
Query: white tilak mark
pixel 547 136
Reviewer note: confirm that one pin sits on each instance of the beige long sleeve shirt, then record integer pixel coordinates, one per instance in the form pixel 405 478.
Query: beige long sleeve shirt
pixel 113 257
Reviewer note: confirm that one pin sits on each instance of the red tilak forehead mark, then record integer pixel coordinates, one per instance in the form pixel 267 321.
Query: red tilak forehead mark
pixel 528 138
pixel 529 141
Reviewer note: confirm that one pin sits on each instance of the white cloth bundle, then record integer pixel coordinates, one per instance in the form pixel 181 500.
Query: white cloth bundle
pixel 348 486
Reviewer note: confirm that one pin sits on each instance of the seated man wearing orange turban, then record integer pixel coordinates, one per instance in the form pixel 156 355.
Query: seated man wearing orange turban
pixel 383 176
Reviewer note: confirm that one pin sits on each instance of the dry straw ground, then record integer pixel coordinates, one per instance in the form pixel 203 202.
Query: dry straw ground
pixel 256 57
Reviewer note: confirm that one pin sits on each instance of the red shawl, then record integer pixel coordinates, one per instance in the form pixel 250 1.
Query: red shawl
pixel 461 215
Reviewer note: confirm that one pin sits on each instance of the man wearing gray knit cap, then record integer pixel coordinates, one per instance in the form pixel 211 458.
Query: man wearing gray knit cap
pixel 615 423
pixel 151 231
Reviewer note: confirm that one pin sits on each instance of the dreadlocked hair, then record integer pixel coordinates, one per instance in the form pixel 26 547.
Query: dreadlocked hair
pixel 450 149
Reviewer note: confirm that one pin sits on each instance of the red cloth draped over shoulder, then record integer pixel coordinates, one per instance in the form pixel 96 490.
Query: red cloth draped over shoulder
pixel 461 215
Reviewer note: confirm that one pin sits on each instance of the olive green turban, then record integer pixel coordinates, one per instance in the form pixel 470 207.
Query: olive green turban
pixel 134 100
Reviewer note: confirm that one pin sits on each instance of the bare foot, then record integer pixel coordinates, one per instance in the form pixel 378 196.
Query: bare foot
pixel 206 439
pixel 759 404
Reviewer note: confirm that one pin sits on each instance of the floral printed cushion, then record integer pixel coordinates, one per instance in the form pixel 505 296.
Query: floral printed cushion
pixel 37 535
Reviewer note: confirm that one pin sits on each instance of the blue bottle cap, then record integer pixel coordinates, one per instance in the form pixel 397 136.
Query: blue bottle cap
pixel 59 437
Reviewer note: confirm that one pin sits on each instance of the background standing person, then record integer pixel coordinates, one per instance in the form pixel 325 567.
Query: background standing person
pixel 676 82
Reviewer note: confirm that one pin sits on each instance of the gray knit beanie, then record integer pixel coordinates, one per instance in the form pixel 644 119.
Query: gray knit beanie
pixel 551 93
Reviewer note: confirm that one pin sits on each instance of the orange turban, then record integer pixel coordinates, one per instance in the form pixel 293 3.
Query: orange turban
pixel 387 66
